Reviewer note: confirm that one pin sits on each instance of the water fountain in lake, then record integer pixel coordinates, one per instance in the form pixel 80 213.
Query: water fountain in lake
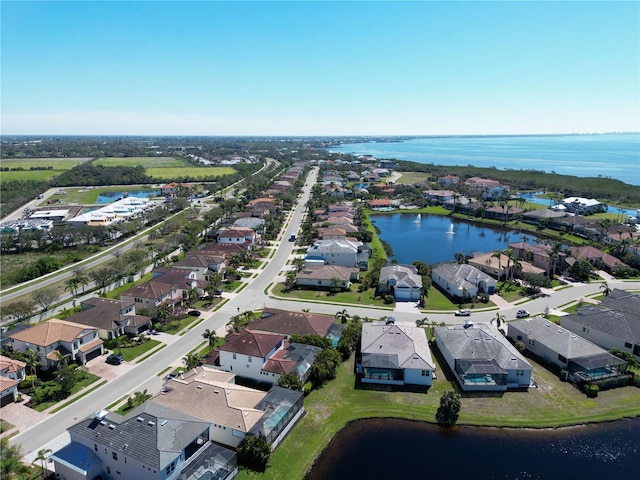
pixel 450 231
pixel 418 218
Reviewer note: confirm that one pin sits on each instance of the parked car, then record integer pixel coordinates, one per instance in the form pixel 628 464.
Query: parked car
pixel 462 313
pixel 195 313
pixel 522 314
pixel 114 359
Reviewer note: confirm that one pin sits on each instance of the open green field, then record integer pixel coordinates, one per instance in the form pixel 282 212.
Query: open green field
pixel 146 162
pixel 58 166
pixel 88 196
pixel 342 400
pixel 410 178
pixel 172 173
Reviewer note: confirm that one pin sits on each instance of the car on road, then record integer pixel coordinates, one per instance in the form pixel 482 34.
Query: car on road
pixel 522 314
pixel 195 313
pixel 292 238
pixel 463 312
pixel 114 359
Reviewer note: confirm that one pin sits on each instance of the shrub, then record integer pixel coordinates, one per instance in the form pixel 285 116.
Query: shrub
pixel 591 389
pixel 613 382
pixel 388 299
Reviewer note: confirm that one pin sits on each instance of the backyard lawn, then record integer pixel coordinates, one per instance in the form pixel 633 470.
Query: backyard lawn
pixel 553 403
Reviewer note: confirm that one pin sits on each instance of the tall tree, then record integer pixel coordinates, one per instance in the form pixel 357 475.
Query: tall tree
pixel 210 336
pixel 43 457
pixel 45 297
pixel 449 409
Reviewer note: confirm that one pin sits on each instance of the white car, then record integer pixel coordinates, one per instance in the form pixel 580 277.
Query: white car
pixel 462 313
pixel 522 314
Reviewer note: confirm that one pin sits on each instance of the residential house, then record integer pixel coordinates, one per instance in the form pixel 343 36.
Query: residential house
pixel 233 411
pixel 344 253
pixel 264 357
pixel 379 203
pixel 152 294
pixel 287 323
pixel 112 318
pixel 186 281
pixel 504 214
pixel 448 180
pixel 580 360
pixel 606 327
pixel 238 236
pixel 438 196
pixel 599 259
pixel 55 338
pixel 402 281
pixel 481 359
pixel 539 255
pixel 172 189
pixel 326 276
pixel 332 233
pixel 12 372
pixel 462 281
pixel 395 355
pixel 583 206
pixel 202 263
pixel 253 223
pixel 150 443
pixel 497 267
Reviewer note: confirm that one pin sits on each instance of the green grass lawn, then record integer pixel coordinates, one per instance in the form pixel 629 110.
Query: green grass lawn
pixel 196 172
pixel 58 165
pixel 88 196
pixel 131 353
pixel 349 297
pixel 330 408
pixel 146 162
pixel 88 379
pixel 411 178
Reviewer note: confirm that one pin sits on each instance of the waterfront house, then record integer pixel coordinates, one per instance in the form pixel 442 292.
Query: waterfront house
pixel 152 442
pixel 539 255
pixel 59 338
pixel 462 281
pixel 395 355
pixel 580 360
pixel 401 281
pixel 344 253
pixel 481 359
pixel 583 206
pixel 232 410
pixel 112 318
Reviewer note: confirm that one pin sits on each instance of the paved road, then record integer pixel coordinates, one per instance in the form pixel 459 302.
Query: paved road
pixel 145 375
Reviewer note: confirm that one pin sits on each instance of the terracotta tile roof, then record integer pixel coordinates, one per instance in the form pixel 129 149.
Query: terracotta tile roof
pixel 86 347
pixel 10 365
pixel 151 289
pixel 52 331
pixel 248 342
pixel 287 322
pixel 222 403
pixel 6 383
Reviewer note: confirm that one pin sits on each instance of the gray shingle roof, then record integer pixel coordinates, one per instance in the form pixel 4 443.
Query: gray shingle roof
pixel 618 324
pixel 152 434
pixel 395 346
pixel 481 343
pixel 555 337
pixel 404 276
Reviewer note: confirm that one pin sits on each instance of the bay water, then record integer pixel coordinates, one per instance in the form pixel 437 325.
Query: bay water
pixel 604 155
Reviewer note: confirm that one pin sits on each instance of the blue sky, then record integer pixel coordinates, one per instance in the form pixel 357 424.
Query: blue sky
pixel 319 68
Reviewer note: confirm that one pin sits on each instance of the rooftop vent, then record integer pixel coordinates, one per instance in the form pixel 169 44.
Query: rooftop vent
pixel 151 423
pixel 112 426
pixel 164 422
pixel 140 419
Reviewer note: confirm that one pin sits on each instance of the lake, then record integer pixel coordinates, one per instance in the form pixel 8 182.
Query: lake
pixel 108 197
pixel 394 449
pixel 608 155
pixel 435 238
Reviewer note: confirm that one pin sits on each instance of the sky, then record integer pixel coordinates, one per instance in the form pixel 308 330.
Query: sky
pixel 319 68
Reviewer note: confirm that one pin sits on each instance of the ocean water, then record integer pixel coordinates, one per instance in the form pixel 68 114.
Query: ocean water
pixel 607 155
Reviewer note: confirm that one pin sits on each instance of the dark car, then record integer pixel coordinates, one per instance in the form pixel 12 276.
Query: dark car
pixel 114 359
pixel 195 313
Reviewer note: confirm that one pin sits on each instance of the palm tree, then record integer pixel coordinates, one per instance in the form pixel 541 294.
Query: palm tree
pixel 43 456
pixel 140 397
pixel 342 316
pixel 32 359
pixel 498 255
pixel 192 360
pixel 72 285
pixel 210 336
pixel 606 290
pixel 499 318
